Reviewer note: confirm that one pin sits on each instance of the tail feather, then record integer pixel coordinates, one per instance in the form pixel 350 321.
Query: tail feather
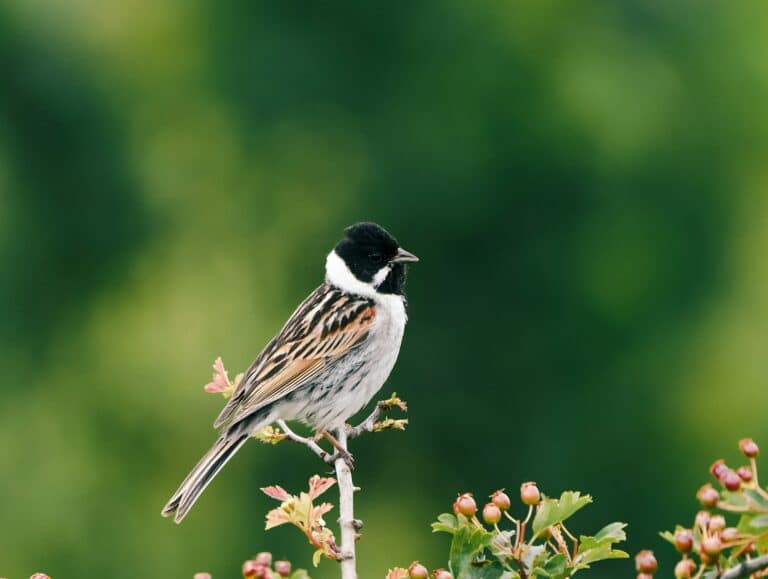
pixel 201 476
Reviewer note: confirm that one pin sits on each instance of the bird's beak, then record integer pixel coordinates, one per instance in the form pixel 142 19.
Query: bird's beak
pixel 403 256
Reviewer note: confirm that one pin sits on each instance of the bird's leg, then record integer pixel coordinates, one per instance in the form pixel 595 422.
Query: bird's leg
pixel 340 450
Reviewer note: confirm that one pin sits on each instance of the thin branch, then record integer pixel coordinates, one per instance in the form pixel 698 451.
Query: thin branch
pixel 347 521
pixel 369 424
pixel 308 442
pixel 746 568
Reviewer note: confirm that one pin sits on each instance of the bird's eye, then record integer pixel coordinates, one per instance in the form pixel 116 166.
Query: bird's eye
pixel 376 258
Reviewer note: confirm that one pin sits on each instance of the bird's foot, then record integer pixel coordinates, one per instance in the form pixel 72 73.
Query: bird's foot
pixel 346 456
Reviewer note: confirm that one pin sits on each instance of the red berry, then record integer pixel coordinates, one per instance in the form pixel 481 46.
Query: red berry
pixel 501 500
pixel 716 523
pixel 264 558
pixel 418 571
pixel 748 447
pixel 745 473
pixel 708 495
pixel 718 468
pixel 711 546
pixel 442 574
pixel 491 514
pixel 283 568
pixel 645 562
pixel 251 568
pixel 684 540
pixel 729 534
pixel 731 480
pixel 529 494
pixel 685 569
pixel 465 505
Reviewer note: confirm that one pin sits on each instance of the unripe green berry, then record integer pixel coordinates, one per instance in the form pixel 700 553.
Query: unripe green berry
pixel 708 495
pixel 645 562
pixel 491 514
pixel 529 494
pixel 418 571
pixel 684 540
pixel 465 505
pixel 501 500
pixel 748 447
pixel 711 545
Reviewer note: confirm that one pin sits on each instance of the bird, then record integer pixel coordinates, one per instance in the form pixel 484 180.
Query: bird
pixel 327 362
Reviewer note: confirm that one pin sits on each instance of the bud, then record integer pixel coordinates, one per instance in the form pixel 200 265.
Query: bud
pixel 702 518
pixel 731 480
pixel 745 473
pixel 465 505
pixel 748 447
pixel 418 571
pixel 491 514
pixel 711 545
pixel 685 569
pixel 501 500
pixel 283 568
pixel 708 495
pixel 529 494
pixel 718 468
pixel 729 534
pixel 716 523
pixel 442 574
pixel 645 562
pixel 683 540
pixel 264 558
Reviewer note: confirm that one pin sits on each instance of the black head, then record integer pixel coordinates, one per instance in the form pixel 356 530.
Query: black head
pixel 374 257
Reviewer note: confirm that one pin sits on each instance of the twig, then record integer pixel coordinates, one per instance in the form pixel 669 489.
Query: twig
pixel 346 510
pixel 746 568
pixel 369 424
pixel 308 442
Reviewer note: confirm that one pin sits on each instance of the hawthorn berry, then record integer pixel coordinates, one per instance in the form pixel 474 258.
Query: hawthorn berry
pixel 283 568
pixel 708 495
pixel 729 534
pixel 442 574
pixel 251 567
pixel 465 505
pixel 745 473
pixel 711 545
pixel 501 500
pixel 418 571
pixel 491 514
pixel 264 558
pixel 716 523
pixel 702 518
pixel 685 569
pixel 684 540
pixel 644 576
pixel 717 468
pixel 645 562
pixel 748 447
pixel 529 494
pixel 202 576
pixel 39 576
pixel 731 480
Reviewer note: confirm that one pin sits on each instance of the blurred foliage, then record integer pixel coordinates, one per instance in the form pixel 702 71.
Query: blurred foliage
pixel 585 183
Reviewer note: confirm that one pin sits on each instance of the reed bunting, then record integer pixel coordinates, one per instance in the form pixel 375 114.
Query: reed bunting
pixel 332 356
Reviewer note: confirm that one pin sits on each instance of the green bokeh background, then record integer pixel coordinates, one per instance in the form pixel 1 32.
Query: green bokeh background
pixel 584 181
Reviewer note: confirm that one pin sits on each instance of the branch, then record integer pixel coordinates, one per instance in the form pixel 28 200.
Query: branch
pixel 308 442
pixel 746 568
pixel 372 424
pixel 349 526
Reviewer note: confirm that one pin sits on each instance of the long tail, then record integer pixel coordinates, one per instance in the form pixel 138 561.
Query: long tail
pixel 201 476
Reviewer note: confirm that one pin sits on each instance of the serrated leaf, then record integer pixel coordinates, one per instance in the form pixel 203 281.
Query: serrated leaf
pixel 534 556
pixel 555 568
pixel 467 543
pixel 613 532
pixel 446 523
pixel 553 511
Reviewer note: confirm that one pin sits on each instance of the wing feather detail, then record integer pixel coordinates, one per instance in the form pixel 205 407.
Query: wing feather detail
pixel 324 328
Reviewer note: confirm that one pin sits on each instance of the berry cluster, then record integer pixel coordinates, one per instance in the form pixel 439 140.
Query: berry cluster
pixel 536 545
pixel 712 547
pixel 260 567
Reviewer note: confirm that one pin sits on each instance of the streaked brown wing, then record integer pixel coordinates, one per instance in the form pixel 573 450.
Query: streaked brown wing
pixel 325 327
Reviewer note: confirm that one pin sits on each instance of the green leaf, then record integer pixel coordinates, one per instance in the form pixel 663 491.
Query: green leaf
pixel 555 568
pixel 534 556
pixel 300 574
pixel 316 557
pixel 488 571
pixel 467 543
pixel 759 522
pixel 613 532
pixel 553 511
pixel 756 499
pixel 446 523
